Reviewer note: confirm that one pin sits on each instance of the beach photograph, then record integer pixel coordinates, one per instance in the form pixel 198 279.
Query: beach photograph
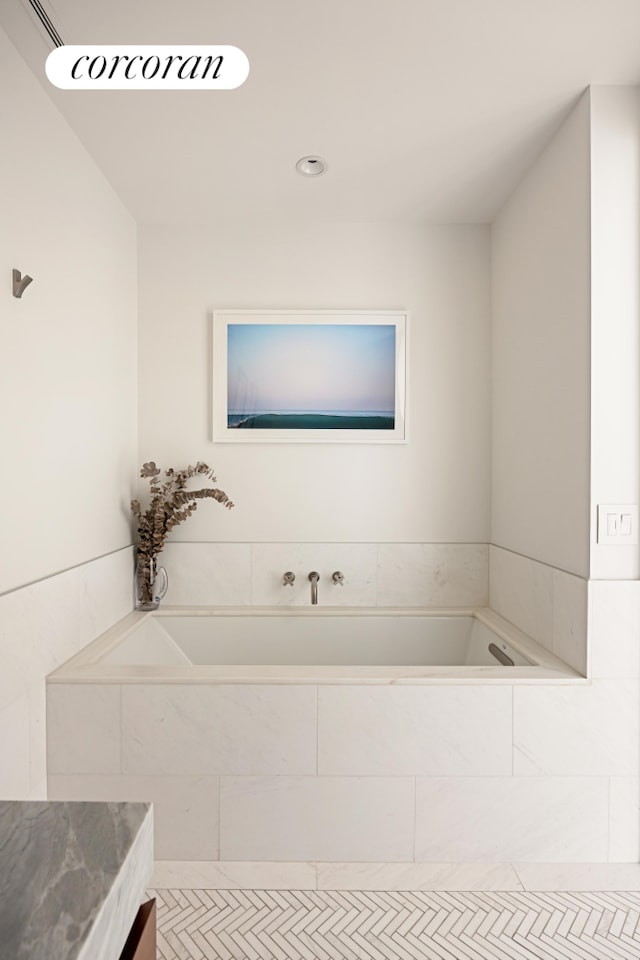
pixel 311 376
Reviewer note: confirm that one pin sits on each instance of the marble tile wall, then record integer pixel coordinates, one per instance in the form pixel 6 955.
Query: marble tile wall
pixel 548 604
pixel 385 574
pixel 544 819
pixel 430 774
pixel 614 641
pixel 41 626
pixel 259 773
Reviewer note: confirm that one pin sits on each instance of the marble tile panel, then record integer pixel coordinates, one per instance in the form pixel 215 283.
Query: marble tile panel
pixel 433 574
pixel 37 703
pixel 614 628
pixel 30 633
pixel 391 731
pixel 521 591
pixel 417 876
pixel 232 875
pixel 317 818
pixel 14 750
pixel 357 561
pixel 41 626
pixel 178 729
pixel 570 607
pixel 106 592
pixel 577 730
pixel 544 819
pixel 45 623
pixel 579 876
pixel 83 728
pixel 624 820
pixel 208 574
pixel 38 791
pixel 185 808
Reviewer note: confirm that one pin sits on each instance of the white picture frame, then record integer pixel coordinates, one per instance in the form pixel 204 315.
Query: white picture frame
pixel 310 376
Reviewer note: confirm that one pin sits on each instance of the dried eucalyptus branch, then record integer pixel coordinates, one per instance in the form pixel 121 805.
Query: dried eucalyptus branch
pixel 170 504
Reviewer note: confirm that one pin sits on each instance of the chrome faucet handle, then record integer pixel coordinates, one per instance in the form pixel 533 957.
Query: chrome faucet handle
pixel 288 579
pixel 338 578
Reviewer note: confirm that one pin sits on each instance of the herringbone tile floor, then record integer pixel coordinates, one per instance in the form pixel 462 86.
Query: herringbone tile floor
pixel 357 925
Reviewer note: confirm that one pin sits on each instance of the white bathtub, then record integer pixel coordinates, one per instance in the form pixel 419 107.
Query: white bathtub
pixel 294 734
pixel 312 645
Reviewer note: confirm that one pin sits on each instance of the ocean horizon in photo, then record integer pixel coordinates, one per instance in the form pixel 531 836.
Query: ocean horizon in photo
pixel 312 420
pixel 311 377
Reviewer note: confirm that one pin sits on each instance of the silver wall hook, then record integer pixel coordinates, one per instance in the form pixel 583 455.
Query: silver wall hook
pixel 20 283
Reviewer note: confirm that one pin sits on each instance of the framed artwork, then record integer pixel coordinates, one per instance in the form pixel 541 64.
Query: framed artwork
pixel 312 376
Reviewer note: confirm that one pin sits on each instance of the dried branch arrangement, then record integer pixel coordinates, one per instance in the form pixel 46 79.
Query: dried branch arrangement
pixel 170 504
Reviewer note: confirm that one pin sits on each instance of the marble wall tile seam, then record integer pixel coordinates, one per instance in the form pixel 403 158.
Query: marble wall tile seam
pixel 58 573
pixel 542 563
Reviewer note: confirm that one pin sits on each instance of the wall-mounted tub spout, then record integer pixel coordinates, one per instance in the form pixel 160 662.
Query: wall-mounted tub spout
pixel 314 577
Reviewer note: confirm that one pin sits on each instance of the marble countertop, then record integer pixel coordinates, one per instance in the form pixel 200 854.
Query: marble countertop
pixel 72 876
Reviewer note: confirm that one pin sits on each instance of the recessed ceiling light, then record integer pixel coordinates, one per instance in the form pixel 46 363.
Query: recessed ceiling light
pixel 311 166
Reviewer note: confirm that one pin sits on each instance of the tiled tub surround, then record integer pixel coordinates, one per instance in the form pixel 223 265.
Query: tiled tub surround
pixel 323 769
pixel 544 602
pixel 376 574
pixel 548 604
pixel 41 626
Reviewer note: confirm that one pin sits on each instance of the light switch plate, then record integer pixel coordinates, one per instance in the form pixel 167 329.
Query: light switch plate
pixel 618 524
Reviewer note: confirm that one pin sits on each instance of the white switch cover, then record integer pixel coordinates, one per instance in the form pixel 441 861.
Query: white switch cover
pixel 618 523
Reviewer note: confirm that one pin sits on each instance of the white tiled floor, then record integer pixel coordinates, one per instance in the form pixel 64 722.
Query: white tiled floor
pixel 220 911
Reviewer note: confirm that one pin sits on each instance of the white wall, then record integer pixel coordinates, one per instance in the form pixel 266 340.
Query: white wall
pixel 540 373
pixel 615 327
pixel 435 488
pixel 67 411
pixel 67 390
pixel 566 437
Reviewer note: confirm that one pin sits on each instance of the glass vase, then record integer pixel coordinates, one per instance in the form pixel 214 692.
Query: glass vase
pixel 151 583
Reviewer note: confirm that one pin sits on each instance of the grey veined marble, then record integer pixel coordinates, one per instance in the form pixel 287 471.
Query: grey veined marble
pixel 60 863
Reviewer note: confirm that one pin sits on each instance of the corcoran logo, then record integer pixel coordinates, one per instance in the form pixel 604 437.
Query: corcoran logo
pixel 112 67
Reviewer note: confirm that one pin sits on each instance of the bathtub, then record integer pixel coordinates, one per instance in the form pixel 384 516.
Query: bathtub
pixel 312 645
pixel 296 734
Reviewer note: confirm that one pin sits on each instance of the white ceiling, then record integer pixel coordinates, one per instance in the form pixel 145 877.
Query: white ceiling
pixel 424 109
